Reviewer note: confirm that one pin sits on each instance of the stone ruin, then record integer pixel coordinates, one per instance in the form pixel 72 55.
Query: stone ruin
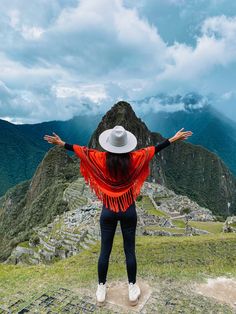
pixel 230 224
pixel 77 229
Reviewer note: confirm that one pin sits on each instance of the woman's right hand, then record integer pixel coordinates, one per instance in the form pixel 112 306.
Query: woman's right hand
pixel 56 140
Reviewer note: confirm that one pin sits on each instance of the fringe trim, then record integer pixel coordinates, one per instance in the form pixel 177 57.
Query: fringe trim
pixel 121 202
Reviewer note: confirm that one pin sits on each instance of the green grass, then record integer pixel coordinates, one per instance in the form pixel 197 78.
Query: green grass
pixel 159 228
pixel 154 211
pixel 178 223
pixel 157 258
pixel 149 207
pixel 157 198
pixel 211 226
pixel 57 226
pixel 24 244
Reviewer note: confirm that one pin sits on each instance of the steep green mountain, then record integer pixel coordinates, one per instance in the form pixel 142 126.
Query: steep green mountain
pixel 210 128
pixel 183 167
pixel 36 202
pixel 22 146
pixel 19 156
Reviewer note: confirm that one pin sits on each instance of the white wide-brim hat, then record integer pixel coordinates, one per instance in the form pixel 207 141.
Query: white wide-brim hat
pixel 117 140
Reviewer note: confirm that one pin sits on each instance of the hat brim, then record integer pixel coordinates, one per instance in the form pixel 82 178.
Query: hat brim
pixel 131 143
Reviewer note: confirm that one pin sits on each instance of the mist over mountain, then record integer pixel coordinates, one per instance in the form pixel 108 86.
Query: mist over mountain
pixel 212 130
pixel 189 102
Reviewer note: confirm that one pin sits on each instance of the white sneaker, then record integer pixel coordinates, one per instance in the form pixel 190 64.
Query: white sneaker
pixel 134 293
pixel 101 293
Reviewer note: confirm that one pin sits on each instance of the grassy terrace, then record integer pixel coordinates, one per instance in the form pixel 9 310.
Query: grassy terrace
pixel 157 257
pixel 211 226
pixel 172 230
pixel 214 226
pixel 147 204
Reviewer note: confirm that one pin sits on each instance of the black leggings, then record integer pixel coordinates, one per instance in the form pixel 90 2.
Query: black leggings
pixel 108 223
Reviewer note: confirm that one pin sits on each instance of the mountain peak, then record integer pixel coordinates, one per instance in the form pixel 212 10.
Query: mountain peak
pixel 123 114
pixel 122 106
pixel 120 111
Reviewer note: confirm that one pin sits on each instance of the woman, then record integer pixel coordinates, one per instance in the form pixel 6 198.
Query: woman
pixel 116 176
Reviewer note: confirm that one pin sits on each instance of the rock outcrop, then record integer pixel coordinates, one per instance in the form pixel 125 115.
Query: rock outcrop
pixel 230 224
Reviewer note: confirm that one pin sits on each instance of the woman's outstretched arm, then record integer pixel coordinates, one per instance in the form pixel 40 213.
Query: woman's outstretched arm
pixel 179 136
pixel 162 145
pixel 69 147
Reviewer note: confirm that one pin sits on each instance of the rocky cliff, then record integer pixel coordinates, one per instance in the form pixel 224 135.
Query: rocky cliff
pixel 185 168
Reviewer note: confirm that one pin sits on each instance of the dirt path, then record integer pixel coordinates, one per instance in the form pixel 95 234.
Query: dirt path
pixel 221 288
pixel 217 295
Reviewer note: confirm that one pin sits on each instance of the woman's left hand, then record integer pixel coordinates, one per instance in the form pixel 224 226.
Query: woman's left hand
pixel 181 135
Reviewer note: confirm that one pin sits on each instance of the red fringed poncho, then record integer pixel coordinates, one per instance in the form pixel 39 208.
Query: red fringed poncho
pixel 114 194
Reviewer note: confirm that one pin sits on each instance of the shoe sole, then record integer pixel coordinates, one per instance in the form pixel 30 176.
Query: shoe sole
pixel 100 303
pixel 134 302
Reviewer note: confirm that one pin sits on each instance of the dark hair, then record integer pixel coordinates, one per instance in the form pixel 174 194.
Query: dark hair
pixel 118 165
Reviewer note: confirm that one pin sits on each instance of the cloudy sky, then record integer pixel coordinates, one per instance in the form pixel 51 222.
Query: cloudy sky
pixel 61 58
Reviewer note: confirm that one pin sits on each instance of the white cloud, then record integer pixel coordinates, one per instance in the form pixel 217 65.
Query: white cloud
pixel 58 55
pixel 95 92
pixel 220 27
pixel 4 90
pixel 14 16
pixel 32 32
pixel 228 95
pixel 171 103
pixel 194 66
pixel 12 120
pixel 154 105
